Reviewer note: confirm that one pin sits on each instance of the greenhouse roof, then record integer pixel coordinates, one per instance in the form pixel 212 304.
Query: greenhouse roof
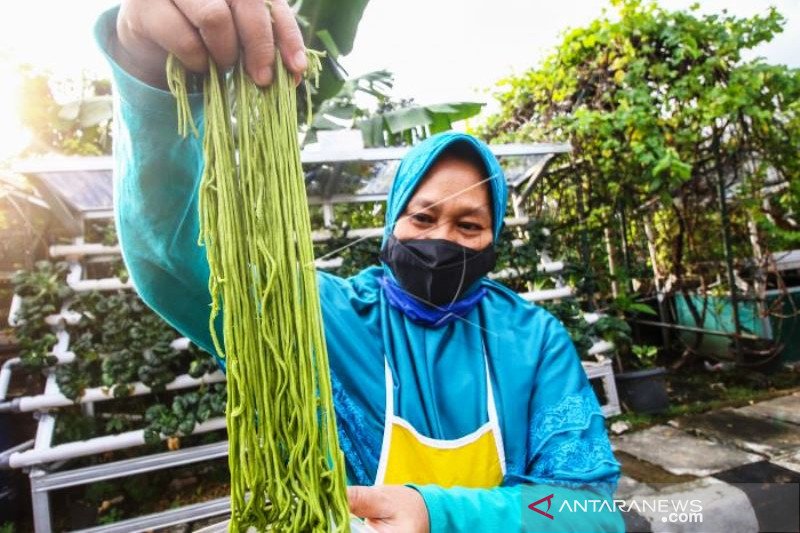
pixel 82 186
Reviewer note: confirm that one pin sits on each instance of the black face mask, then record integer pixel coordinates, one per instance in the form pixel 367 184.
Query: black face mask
pixel 436 271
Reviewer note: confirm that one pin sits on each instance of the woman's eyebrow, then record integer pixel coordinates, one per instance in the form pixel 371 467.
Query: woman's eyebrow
pixel 477 209
pixel 421 204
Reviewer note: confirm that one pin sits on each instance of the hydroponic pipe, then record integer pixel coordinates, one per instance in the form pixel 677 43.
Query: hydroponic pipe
pixel 5 376
pixel 6 454
pixel 100 394
pixel 94 446
pixel 8 366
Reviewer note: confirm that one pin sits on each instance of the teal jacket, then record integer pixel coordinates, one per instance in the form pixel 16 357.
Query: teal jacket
pixel 553 429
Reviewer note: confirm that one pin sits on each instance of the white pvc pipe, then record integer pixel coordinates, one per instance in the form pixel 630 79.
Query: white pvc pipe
pixel 369 233
pixel 5 376
pixel 66 250
pixel 543 268
pixel 548 294
pixel 591 318
pixel 99 394
pixel 60 348
pixel 180 344
pixel 97 445
pixel 16 303
pixel 47 421
pixel 324 264
pixel 8 367
pixel 601 347
pixel 44 432
pixel 104 284
pixel 75 272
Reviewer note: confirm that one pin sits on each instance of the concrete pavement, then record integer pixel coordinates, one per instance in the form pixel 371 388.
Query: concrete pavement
pixel 740 465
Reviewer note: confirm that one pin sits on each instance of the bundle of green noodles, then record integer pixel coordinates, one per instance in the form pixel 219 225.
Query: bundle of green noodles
pixel 287 472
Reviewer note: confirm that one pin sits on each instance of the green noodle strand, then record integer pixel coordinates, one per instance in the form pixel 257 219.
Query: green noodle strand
pixel 287 471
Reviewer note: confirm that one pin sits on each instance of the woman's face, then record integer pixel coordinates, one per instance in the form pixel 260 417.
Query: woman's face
pixel 451 203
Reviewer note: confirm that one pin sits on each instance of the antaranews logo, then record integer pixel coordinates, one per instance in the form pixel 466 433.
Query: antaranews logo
pixel 549 500
pixel 542 511
pixel 551 508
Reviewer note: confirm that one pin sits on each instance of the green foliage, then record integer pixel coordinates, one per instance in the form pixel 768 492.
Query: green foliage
pixel 115 514
pixel 117 341
pixel 42 291
pixel 532 239
pixel 645 355
pixel 329 26
pixel 615 330
pixel 73 426
pixel 625 303
pixel 660 106
pixel 355 254
pixel 186 411
pixel 570 314
pixel 79 127
pixel 392 122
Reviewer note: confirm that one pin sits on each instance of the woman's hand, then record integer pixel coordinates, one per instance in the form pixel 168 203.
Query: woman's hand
pixel 193 30
pixel 390 508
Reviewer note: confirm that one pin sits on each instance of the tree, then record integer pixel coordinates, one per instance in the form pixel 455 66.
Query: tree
pixel 682 148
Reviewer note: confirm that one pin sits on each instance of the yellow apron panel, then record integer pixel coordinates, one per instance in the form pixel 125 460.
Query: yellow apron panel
pixel 475 460
pixel 474 464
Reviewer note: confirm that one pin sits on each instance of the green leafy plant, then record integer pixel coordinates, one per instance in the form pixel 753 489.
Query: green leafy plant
pixel 645 355
pixel 616 331
pixel 388 121
pixel 115 514
pixel 569 313
pixel 42 290
pixel 117 341
pixel 186 411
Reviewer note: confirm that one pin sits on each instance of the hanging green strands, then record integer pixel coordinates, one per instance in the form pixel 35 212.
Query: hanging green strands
pixel 287 472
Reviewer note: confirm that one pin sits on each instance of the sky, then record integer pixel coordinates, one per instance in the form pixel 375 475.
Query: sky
pixel 439 50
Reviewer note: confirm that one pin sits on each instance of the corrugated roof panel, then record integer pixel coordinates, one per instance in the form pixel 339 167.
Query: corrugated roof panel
pixel 87 190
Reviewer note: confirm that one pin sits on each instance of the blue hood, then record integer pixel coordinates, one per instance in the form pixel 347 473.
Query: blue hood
pixel 418 161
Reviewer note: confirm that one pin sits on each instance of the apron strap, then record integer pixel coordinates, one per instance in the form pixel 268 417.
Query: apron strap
pixel 388 416
pixel 494 419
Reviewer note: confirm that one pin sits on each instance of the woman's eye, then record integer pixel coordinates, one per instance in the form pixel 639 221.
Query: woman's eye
pixel 422 218
pixel 469 226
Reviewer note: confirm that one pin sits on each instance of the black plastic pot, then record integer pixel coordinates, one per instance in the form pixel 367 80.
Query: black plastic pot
pixel 643 391
pixel 762 355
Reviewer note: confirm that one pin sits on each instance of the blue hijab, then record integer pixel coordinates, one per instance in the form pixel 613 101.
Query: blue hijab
pixel 420 159
pixel 549 416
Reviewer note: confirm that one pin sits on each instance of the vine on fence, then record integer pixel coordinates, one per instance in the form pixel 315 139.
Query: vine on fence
pixel 684 156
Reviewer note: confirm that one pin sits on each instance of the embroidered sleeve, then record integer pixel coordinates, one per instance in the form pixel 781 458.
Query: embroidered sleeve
pixel 567 442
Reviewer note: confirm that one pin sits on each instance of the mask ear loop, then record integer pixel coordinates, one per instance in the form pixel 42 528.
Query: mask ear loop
pixel 463 276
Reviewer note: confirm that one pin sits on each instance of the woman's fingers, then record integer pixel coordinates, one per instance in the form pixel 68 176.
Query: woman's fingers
pixel 369 502
pixel 289 37
pixel 170 29
pixel 255 34
pixel 214 22
pixel 195 29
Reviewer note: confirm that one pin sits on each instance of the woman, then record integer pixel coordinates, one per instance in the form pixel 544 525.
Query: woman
pixel 450 391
